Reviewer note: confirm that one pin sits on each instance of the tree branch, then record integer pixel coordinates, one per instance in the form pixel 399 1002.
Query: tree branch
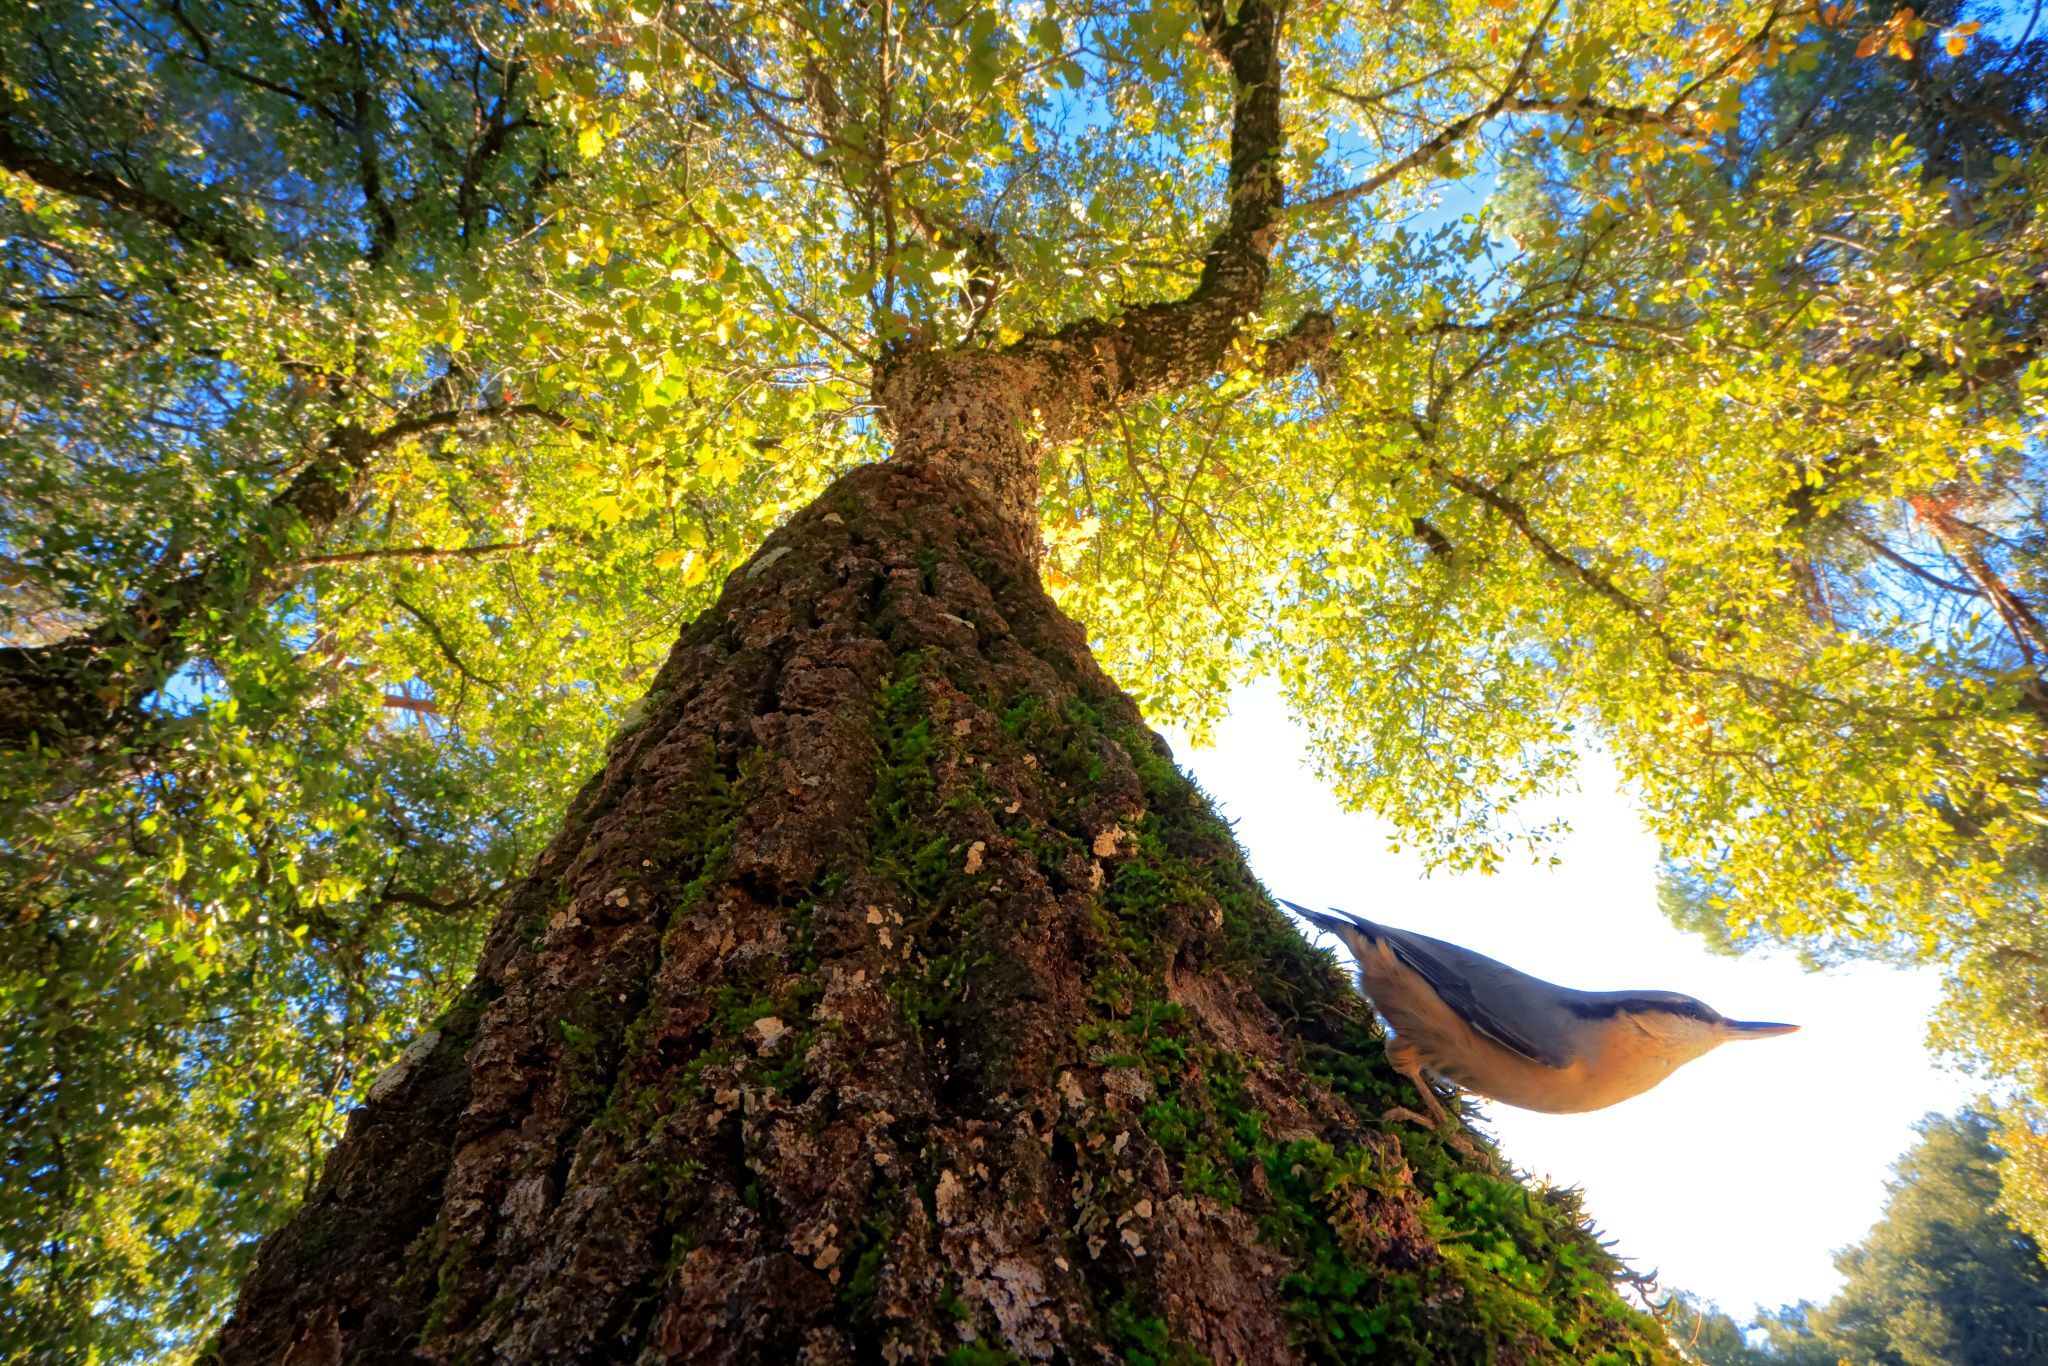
pixel 497 133
pixel 1305 343
pixel 1961 541
pixel 458 418
pixel 86 688
pixel 1450 134
pixel 1917 571
pixel 23 159
pixel 205 58
pixel 1077 374
pixel 1634 116
pixel 369 167
pixel 1432 539
pixel 1604 586
pixel 1518 517
pixel 414 552
pixel 441 643
pixel 426 901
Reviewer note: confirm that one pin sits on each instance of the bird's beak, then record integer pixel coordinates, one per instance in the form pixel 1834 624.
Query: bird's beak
pixel 1757 1029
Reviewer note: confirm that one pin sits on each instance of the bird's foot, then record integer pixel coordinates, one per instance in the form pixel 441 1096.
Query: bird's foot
pixel 1443 1125
pixel 1394 1112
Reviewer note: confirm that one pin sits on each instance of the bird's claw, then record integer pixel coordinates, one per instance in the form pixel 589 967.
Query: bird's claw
pixel 1394 1112
pixel 1441 1125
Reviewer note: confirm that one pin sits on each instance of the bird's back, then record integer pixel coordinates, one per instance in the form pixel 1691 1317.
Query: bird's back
pixel 1516 1010
pixel 1476 967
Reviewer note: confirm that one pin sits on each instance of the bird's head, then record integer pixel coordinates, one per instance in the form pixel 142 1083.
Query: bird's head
pixel 1685 1027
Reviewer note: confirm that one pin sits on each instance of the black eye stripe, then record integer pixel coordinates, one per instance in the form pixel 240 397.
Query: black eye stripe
pixel 1640 1005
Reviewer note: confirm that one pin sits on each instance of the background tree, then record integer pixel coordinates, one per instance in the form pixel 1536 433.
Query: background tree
pixel 1943 1277
pixel 1570 468
pixel 1705 1333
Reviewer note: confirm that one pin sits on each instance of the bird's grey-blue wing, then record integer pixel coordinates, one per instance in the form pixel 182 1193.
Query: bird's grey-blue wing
pixel 1506 1006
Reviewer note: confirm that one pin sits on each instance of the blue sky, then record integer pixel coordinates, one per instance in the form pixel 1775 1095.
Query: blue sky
pixel 1737 1178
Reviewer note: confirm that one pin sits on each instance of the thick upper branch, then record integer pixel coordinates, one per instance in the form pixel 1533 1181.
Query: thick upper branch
pixel 971 409
pixel 1096 364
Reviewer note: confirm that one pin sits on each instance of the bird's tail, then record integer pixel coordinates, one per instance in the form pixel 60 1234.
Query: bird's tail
pixel 1336 921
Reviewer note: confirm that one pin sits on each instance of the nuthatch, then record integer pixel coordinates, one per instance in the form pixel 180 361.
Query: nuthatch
pixel 1517 1038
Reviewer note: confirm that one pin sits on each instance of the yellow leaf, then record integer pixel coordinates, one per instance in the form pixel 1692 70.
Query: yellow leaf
pixel 1890 36
pixel 668 559
pixel 1715 39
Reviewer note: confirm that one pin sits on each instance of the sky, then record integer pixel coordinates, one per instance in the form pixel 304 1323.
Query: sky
pixel 1739 1176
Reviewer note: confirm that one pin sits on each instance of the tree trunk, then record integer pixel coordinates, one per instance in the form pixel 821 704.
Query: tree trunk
pixel 891 997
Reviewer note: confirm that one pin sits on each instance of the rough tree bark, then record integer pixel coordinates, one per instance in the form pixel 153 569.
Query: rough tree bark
pixel 890 996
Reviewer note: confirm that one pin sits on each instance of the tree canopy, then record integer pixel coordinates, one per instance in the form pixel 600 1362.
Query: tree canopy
pixel 384 383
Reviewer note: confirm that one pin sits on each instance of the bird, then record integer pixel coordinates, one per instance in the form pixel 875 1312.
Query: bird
pixel 1516 1038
